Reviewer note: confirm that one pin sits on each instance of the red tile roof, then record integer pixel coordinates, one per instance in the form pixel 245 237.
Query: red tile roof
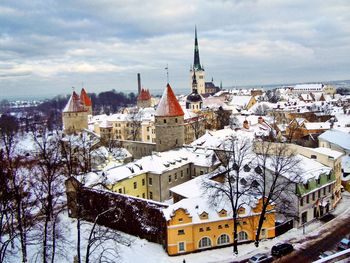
pixel 168 105
pixel 74 104
pixel 85 99
pixel 144 95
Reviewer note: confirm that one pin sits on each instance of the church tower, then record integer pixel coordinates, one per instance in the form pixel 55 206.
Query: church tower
pixel 197 67
pixel 169 122
pixel 194 100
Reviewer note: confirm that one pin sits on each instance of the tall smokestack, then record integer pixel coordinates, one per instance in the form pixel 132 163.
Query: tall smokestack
pixel 139 82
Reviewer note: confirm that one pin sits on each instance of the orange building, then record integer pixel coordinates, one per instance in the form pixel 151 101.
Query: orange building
pixel 194 223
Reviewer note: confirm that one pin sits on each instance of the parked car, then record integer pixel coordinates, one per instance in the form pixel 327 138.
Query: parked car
pixel 260 258
pixel 344 244
pixel 325 254
pixel 281 249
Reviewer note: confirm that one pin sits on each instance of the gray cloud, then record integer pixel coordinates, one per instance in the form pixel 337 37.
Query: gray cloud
pixel 48 46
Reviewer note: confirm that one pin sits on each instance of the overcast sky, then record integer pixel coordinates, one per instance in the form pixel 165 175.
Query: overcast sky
pixel 48 46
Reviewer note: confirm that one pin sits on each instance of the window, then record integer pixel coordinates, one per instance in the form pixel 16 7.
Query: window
pixel 313 156
pixel 301 201
pixel 180 219
pixel 223 239
pixel 220 227
pixel 307 199
pixel 143 181
pixel 329 176
pixel 313 196
pixel 319 193
pixel 164 120
pixel 208 228
pixel 304 217
pixel 169 178
pixel 318 181
pixel 181 246
pixel 175 176
pixel 135 185
pixel 147 128
pixel 204 242
pixel 182 174
pixel 263 233
pixel 324 191
pixel 180 232
pixel 120 190
pixel 226 225
pixel 242 236
pixel 150 195
pixel 306 186
pixel 329 189
pixel 148 137
pixel 150 181
pixel 175 120
pixel 201 229
pixel 143 195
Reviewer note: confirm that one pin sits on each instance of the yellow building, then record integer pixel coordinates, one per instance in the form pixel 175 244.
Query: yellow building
pixel 193 224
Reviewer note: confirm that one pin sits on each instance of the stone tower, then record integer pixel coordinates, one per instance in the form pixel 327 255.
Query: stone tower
pixel 144 100
pixel 197 67
pixel 75 115
pixel 169 122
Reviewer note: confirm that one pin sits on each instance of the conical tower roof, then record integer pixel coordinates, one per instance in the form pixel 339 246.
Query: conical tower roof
pixel 74 104
pixel 168 105
pixel 85 99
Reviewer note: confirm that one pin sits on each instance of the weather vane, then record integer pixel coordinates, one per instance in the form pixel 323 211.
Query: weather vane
pixel 167 73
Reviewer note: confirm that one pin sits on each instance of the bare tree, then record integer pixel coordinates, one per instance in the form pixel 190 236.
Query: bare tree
pixel 104 241
pixel 135 118
pixel 275 173
pixel 231 185
pixel 197 124
pixel 262 109
pixel 14 191
pixel 48 186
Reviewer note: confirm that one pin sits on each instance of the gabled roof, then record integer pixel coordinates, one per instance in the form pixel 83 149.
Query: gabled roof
pixel 85 99
pixel 144 95
pixel 168 105
pixel 74 104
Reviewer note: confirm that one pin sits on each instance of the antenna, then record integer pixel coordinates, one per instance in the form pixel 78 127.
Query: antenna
pixel 167 73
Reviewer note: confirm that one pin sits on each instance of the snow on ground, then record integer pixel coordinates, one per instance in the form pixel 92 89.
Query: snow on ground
pixel 140 250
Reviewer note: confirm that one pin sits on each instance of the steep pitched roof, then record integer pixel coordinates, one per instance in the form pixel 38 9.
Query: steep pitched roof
pixel 144 95
pixel 74 104
pixel 85 99
pixel 168 105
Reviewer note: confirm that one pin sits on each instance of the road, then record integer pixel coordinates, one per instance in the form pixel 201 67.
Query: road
pixel 338 228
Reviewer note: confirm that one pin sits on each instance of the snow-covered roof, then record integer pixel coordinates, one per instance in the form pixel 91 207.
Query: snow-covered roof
pixel 327 151
pixel 311 169
pixel 241 101
pixel 160 162
pixel 168 105
pixel 346 164
pixel 339 138
pixel 317 125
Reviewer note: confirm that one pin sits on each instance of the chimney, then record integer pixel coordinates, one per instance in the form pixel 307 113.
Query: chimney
pixel 139 83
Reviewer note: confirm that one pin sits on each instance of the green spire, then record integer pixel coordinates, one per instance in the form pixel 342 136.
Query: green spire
pixel 196 62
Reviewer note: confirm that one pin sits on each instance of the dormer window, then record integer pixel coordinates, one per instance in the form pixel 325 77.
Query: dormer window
pixel 203 215
pixel 223 213
pixel 241 210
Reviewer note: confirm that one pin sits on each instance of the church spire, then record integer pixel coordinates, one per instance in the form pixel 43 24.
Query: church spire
pixel 194 82
pixel 196 62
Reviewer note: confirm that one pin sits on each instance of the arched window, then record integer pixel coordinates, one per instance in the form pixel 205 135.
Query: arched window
pixel 223 239
pixel 242 236
pixel 204 242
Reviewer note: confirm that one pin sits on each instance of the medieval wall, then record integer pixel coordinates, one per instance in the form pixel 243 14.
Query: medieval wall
pixel 135 216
